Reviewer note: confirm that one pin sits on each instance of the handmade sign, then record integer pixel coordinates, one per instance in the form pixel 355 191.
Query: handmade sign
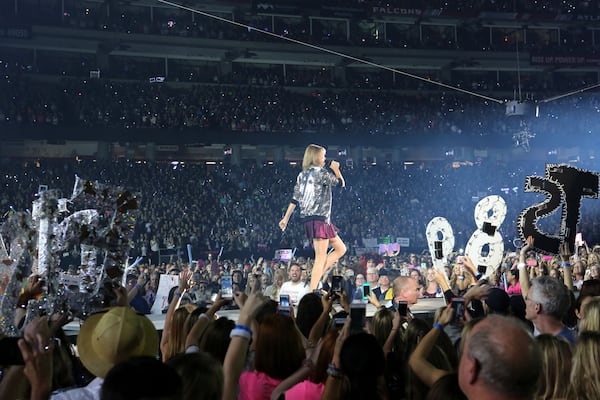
pixel 283 255
pixel 389 249
pixel 165 284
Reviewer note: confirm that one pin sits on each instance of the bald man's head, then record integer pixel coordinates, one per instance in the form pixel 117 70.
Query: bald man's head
pixel 406 289
pixel 500 357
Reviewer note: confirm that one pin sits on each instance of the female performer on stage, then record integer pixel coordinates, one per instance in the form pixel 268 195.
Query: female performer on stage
pixel 312 193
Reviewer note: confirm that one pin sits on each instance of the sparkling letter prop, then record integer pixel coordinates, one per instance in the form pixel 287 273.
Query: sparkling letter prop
pixel 563 184
pixel 101 231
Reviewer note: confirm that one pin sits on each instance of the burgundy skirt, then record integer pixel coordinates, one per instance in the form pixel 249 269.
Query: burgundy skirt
pixel 317 229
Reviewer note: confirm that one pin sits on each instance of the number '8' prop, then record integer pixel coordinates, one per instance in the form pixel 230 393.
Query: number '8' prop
pixel 489 215
pixel 564 185
pixel 440 239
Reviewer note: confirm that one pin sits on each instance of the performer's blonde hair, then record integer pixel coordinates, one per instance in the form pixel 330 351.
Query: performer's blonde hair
pixel 310 155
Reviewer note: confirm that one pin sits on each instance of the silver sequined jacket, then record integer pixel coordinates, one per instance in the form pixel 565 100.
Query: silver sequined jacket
pixel 312 193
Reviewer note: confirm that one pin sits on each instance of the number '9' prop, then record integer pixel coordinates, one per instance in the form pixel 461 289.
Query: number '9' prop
pixel 489 215
pixel 563 185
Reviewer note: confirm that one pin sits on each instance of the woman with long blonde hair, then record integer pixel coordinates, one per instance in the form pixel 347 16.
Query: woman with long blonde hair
pixel 590 320
pixel 272 291
pixel 174 342
pixel 555 377
pixel 312 194
pixel 174 331
pixel 585 374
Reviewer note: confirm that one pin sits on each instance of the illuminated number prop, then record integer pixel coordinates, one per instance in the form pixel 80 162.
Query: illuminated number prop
pixel 489 215
pixel 440 239
pixel 563 184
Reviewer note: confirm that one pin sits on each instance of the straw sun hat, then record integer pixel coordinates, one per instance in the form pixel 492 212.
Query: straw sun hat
pixel 114 335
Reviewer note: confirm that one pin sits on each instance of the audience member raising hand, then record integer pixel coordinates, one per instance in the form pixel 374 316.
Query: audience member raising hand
pixel 174 336
pixel 240 340
pixel 37 348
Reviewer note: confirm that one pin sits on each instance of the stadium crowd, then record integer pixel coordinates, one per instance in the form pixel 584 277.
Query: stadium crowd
pixel 236 207
pixel 112 104
pixel 528 329
pixel 361 31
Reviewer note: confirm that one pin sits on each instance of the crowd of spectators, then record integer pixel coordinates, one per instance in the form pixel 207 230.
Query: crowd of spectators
pixel 488 5
pixel 249 108
pixel 539 340
pixel 228 216
pixel 268 100
pixel 237 207
pixel 361 31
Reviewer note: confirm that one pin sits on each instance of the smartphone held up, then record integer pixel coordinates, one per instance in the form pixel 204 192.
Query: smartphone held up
pixel 366 291
pixel 358 313
pixel 458 306
pixel 337 284
pixel 284 305
pixel 226 287
pixel 403 309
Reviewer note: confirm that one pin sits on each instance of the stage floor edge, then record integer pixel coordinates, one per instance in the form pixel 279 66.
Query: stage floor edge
pixel 425 308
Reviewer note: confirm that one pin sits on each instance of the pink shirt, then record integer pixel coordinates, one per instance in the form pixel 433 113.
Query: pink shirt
pixel 256 386
pixel 305 390
pixel 514 289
